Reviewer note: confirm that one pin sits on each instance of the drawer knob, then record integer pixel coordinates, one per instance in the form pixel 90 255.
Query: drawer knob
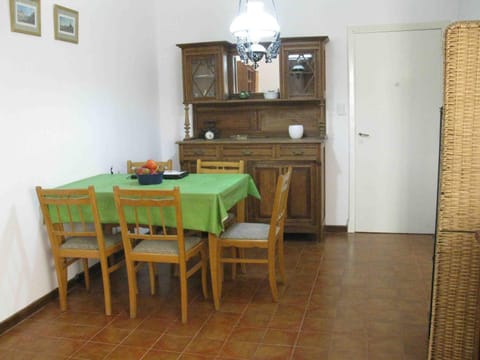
pixel 198 152
pixel 246 152
pixel 297 152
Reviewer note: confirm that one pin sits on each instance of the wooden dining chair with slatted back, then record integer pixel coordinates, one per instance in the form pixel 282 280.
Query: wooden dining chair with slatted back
pixel 227 167
pixel 75 233
pixel 161 208
pixel 258 235
pixel 132 165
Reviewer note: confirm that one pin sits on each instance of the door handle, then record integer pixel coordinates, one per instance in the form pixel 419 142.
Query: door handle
pixel 363 134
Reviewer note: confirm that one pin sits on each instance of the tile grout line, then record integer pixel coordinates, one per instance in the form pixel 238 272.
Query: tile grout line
pixel 307 305
pixel 229 336
pixel 95 334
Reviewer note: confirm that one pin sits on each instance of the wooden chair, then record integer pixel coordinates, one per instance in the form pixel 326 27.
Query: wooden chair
pixel 257 235
pixel 224 167
pixel 227 167
pixel 131 165
pixel 149 208
pixel 75 233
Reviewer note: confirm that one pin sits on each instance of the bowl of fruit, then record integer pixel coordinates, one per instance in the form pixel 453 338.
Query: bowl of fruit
pixel 149 173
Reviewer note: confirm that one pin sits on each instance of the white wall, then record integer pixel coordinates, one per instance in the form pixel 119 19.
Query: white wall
pixel 469 10
pixel 68 111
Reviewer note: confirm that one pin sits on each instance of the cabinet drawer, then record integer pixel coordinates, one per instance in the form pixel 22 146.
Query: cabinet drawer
pixel 199 152
pixel 298 151
pixel 248 151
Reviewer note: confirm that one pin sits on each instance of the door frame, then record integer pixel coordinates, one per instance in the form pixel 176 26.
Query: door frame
pixel 352 32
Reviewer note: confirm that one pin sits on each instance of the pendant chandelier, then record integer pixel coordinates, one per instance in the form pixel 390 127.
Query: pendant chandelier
pixel 256 32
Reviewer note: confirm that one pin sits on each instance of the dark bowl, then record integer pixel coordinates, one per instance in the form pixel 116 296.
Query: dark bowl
pixel 150 179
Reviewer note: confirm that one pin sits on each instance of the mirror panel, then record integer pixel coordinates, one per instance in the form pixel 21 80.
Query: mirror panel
pixel 246 78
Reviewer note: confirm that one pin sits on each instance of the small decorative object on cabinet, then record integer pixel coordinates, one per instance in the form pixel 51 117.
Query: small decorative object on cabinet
pixel 295 131
pixel 210 132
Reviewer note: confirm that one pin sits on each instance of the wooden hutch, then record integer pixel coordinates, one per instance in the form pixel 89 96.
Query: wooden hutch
pixel 256 129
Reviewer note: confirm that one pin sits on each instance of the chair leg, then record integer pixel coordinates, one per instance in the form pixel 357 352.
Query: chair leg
pixel 86 274
pixel 213 248
pixel 204 260
pixel 175 270
pixel 234 265
pixel 281 260
pixel 132 288
pixel 151 275
pixel 271 274
pixel 243 266
pixel 106 287
pixel 220 272
pixel 183 292
pixel 61 270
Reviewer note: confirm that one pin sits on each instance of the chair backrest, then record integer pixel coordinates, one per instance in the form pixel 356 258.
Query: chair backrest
pixel 279 211
pixel 70 213
pixel 220 167
pixel 132 165
pixel 159 211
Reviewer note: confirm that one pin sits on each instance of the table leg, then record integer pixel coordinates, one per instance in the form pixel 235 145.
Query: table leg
pixel 241 252
pixel 213 252
pixel 241 211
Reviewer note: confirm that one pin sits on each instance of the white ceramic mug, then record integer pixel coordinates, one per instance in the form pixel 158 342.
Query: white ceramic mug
pixel 295 131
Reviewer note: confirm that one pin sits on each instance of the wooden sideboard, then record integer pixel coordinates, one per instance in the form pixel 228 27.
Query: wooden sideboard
pixel 263 158
pixel 256 129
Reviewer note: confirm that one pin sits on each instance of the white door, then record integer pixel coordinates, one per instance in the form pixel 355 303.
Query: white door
pixel 397 79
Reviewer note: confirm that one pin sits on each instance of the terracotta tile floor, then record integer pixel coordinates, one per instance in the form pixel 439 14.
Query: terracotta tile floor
pixel 357 296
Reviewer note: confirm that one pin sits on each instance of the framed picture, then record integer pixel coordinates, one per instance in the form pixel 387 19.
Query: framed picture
pixel 25 16
pixel 66 24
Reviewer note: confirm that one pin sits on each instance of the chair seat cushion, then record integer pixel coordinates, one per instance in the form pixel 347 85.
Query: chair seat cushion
pixel 165 246
pixel 90 243
pixel 250 231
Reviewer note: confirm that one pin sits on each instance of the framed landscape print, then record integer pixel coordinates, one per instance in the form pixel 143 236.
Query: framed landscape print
pixel 66 24
pixel 25 16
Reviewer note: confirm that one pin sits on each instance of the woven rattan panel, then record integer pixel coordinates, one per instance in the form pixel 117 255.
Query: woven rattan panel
pixel 456 279
pixel 455 296
pixel 459 203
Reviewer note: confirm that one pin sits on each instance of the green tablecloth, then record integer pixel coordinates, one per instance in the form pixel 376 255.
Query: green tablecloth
pixel 205 197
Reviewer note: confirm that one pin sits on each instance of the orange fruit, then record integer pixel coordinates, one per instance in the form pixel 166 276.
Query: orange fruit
pixel 151 164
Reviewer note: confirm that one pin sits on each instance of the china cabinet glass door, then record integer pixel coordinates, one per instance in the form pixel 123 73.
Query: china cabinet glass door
pixel 203 77
pixel 301 74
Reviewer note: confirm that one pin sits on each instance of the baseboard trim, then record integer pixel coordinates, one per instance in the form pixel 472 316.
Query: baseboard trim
pixel 27 311
pixel 336 228
pixel 41 302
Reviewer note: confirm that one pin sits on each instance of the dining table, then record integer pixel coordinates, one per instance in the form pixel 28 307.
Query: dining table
pixel 205 201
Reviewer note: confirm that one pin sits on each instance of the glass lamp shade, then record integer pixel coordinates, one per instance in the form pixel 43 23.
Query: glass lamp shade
pixel 252 26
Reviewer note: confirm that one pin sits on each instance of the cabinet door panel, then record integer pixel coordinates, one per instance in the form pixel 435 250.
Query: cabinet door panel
pixel 301 193
pixel 204 72
pixel 301 213
pixel 265 176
